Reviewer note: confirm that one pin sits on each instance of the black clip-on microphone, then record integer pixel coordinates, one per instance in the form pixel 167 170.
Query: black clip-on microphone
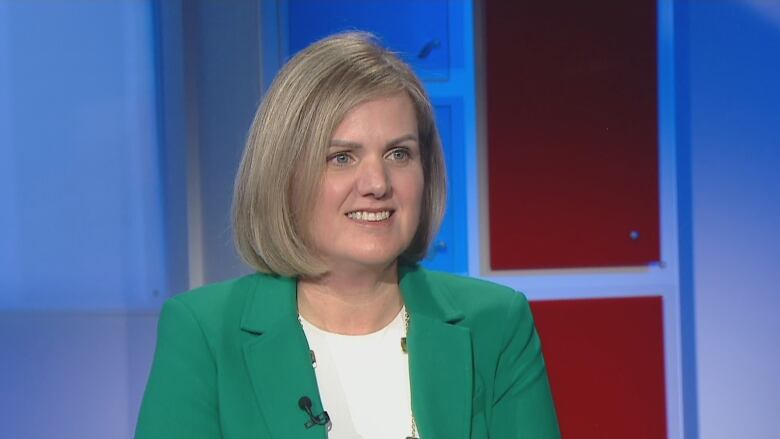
pixel 304 403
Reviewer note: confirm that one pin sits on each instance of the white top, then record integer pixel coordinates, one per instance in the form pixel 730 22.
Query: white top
pixel 363 381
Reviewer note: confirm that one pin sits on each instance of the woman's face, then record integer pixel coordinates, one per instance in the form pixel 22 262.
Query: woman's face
pixel 368 206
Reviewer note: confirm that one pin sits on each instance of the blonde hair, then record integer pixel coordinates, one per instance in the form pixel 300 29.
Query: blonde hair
pixel 285 153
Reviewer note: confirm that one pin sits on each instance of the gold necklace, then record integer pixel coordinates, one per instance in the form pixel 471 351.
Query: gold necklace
pixel 404 349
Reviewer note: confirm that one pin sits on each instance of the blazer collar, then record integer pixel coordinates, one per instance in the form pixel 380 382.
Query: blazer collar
pixel 274 299
pixel 421 296
pixel 440 357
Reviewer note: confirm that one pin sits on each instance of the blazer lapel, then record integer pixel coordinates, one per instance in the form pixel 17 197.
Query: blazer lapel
pixel 278 359
pixel 440 360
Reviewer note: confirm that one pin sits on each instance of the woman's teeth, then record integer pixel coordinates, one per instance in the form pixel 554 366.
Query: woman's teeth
pixel 369 216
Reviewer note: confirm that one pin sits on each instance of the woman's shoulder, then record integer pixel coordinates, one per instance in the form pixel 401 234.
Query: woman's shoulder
pixel 475 296
pixel 492 311
pixel 216 295
pixel 461 287
pixel 215 303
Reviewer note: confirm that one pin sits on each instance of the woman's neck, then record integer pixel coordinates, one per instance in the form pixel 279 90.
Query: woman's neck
pixel 353 302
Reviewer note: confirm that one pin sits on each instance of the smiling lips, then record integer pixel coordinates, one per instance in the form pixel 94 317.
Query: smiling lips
pixel 361 215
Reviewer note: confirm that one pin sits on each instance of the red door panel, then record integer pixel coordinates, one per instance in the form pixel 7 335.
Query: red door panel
pixel 572 131
pixel 605 359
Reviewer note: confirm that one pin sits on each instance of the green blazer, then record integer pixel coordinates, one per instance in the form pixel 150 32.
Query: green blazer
pixel 232 361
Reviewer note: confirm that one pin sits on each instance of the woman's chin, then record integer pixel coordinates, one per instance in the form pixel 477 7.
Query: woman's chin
pixel 370 261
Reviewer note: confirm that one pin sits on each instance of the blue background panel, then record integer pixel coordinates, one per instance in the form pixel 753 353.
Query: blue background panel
pixel 408 27
pixel 80 179
pixel 449 250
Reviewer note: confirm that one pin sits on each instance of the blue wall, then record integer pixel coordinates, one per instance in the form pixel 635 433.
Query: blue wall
pixel 81 246
pixel 80 177
pixel 729 126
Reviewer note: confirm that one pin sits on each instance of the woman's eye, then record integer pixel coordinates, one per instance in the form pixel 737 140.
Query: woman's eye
pixel 400 154
pixel 340 159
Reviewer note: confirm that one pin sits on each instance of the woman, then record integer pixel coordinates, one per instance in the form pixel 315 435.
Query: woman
pixel 340 333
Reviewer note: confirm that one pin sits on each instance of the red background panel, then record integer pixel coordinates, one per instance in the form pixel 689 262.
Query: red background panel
pixel 605 359
pixel 572 133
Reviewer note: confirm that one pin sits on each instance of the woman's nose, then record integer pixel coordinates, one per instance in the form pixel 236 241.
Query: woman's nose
pixel 373 179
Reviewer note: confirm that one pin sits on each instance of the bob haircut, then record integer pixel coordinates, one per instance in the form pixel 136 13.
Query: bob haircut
pixel 285 155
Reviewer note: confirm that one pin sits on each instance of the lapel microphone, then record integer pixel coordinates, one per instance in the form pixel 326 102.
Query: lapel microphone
pixel 304 403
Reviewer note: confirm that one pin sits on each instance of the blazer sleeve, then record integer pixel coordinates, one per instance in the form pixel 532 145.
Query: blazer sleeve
pixel 181 395
pixel 523 405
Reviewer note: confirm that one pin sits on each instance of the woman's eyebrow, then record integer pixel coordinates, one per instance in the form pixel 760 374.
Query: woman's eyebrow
pixel 345 143
pixel 401 139
pixel 356 145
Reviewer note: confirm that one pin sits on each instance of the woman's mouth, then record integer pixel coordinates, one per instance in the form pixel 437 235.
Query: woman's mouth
pixel 362 215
